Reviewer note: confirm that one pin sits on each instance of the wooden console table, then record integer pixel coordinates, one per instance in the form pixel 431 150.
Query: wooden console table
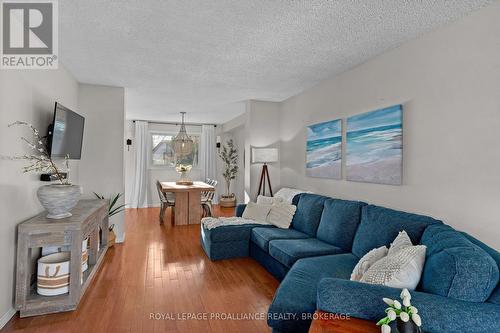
pixel 325 322
pixel 187 201
pixel 89 216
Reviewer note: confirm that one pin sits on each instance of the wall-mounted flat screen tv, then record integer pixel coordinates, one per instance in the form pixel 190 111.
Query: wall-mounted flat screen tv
pixel 66 133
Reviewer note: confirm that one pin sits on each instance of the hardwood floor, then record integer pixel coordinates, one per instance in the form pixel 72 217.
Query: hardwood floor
pixel 163 271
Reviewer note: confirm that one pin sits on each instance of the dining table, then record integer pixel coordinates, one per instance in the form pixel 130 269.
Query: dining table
pixel 188 208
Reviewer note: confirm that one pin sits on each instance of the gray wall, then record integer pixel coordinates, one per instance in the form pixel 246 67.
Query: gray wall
pixel 25 96
pixel 449 84
pixel 30 96
pixel 101 167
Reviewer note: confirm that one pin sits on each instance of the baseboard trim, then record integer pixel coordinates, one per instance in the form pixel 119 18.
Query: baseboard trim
pixel 6 317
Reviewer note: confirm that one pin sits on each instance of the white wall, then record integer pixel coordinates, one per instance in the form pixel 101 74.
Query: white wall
pixel 258 127
pixel 101 167
pixel 449 84
pixel 262 130
pixel 26 96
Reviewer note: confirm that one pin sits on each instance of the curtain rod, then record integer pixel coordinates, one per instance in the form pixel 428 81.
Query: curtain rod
pixel 172 123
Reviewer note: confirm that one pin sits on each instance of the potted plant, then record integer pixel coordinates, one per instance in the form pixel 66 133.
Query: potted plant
pixel 406 316
pixel 229 156
pixel 59 198
pixel 112 210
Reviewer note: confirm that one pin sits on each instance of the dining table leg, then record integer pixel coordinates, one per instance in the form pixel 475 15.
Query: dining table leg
pixel 181 208
pixel 194 207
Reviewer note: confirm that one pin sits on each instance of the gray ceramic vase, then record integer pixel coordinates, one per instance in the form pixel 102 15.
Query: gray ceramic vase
pixel 59 199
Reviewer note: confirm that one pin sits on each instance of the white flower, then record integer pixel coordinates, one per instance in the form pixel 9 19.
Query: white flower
pixel 391 314
pixel 405 293
pixel 388 301
pixel 397 305
pixel 406 301
pixel 385 328
pixel 416 319
pixel 413 309
pixel 404 316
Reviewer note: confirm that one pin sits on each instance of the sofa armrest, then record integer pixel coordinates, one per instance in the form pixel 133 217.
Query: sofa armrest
pixel 240 209
pixel 439 314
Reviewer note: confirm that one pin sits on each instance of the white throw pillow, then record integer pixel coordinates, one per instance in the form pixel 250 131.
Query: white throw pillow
pixel 262 200
pixel 401 241
pixel 399 270
pixel 256 212
pixel 367 261
pixel 281 215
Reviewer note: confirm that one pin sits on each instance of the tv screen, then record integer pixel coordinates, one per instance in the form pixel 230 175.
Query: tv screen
pixel 66 136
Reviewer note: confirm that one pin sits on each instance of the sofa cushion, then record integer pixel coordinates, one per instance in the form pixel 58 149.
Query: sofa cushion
pixel 379 226
pixel 457 268
pixel 495 295
pixel 308 214
pixel 297 292
pixel 339 222
pixel 262 236
pixel 288 251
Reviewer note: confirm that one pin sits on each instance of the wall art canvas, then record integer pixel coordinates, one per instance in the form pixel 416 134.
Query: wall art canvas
pixel 324 150
pixel 375 146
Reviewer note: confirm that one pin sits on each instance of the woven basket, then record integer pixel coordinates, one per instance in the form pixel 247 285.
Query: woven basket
pixel 111 238
pixel 53 274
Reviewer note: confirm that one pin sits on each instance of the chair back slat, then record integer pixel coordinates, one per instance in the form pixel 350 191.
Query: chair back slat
pixel 160 192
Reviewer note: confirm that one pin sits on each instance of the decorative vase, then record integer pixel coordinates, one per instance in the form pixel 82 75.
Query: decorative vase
pixel 59 199
pixel 407 327
pixel 183 170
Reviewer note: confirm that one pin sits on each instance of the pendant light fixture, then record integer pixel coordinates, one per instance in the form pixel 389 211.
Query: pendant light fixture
pixel 182 143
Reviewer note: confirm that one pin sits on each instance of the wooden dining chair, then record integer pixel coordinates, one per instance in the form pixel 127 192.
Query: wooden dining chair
pixel 166 200
pixel 207 197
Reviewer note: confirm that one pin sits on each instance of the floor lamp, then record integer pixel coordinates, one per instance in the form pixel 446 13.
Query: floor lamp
pixel 265 156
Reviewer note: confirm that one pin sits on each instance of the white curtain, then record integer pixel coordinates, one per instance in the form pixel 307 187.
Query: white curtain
pixel 208 154
pixel 140 184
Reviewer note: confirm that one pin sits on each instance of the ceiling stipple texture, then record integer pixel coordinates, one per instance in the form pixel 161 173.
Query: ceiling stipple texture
pixel 199 56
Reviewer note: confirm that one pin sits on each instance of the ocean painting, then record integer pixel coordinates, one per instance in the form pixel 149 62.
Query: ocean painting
pixel 324 150
pixel 375 146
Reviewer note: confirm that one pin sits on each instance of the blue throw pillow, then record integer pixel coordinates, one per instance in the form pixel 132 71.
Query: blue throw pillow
pixel 379 226
pixel 455 267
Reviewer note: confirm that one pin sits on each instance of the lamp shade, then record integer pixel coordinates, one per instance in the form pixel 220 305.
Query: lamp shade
pixel 265 155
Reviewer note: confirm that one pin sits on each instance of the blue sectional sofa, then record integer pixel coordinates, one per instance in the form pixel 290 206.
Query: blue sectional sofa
pixel 314 258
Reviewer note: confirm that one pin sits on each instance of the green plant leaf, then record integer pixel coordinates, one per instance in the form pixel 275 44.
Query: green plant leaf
pixel 114 200
pixel 116 210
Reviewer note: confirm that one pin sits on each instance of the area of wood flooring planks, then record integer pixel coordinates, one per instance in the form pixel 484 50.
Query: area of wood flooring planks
pixel 162 271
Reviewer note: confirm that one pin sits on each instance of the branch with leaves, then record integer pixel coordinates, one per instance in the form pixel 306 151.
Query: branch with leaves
pixel 39 161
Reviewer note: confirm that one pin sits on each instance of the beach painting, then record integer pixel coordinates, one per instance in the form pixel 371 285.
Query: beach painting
pixel 375 146
pixel 324 150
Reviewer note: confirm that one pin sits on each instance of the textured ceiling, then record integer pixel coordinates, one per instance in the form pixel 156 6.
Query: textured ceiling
pixel 201 56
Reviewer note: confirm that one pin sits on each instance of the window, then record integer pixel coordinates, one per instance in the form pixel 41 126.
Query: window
pixel 162 153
